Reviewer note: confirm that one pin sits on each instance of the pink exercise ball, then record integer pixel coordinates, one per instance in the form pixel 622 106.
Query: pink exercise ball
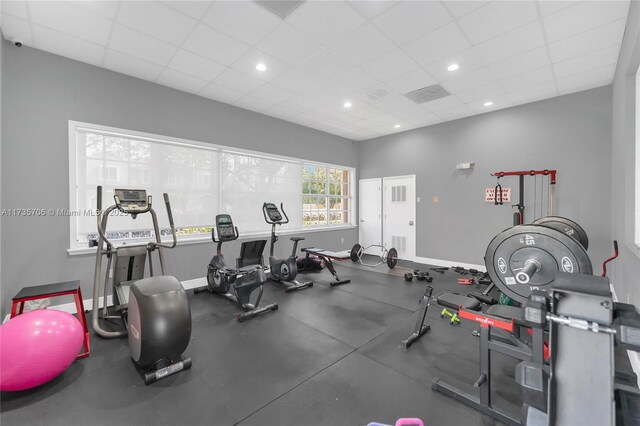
pixel 37 346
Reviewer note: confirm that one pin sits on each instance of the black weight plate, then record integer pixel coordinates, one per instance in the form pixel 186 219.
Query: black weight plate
pixel 355 252
pixel 567 226
pixel 552 249
pixel 392 258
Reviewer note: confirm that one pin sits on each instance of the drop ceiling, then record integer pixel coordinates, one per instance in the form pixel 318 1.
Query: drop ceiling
pixel 327 53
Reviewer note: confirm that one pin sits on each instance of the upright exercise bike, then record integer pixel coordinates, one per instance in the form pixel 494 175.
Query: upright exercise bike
pixel 283 270
pixel 243 280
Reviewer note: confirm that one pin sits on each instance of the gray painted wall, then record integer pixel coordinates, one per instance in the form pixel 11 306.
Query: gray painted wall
pixel 626 270
pixel 43 91
pixel 570 133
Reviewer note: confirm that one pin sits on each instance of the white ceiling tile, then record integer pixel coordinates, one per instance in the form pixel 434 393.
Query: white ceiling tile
pixel 587 80
pixel 280 111
pixel 590 61
pixel 180 81
pixel 588 41
pixel 477 78
pixel 384 119
pixel 141 45
pixel 71 20
pixel 289 44
pixel 530 78
pixel 533 93
pixel 469 61
pixel 252 103
pixel 592 14
pixel 215 45
pixel 157 20
pixel 549 7
pixel 247 64
pixel 244 20
pixel 221 94
pixel 496 18
pixel 271 93
pixel 499 102
pixel 353 80
pixel 364 111
pixel 395 103
pixel 67 46
pixel 16 28
pixel 409 20
pixel 363 44
pixel 325 21
pixel 426 119
pixel 330 96
pixel 17 9
pixel 106 9
pixel 130 65
pixel 513 43
pixel 371 9
pixel 195 9
pixel 296 80
pixel 195 65
pixel 460 8
pixel 391 65
pixel 531 60
pixel 455 112
pixel 326 65
pixel 413 80
pixel 238 81
pixel 437 45
pixel 300 104
pixel 481 94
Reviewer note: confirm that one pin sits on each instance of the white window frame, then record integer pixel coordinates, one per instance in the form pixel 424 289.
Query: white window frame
pixel 75 126
pixel 351 197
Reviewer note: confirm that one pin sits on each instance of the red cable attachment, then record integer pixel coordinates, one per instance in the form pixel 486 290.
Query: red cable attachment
pixel 615 254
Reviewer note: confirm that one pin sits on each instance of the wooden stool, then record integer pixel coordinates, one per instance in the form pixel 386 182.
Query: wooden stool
pixel 54 290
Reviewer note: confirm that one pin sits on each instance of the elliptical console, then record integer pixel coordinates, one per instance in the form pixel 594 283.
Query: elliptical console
pixel 283 270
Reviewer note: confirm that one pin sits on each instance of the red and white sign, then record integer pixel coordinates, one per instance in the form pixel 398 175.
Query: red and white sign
pixel 490 195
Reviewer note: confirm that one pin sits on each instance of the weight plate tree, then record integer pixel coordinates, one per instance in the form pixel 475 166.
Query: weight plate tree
pixel 565 225
pixel 526 257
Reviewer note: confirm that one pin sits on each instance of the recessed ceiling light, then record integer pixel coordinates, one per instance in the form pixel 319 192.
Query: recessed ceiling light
pixel 396 126
pixel 261 67
pixel 347 104
pixel 488 103
pixel 453 67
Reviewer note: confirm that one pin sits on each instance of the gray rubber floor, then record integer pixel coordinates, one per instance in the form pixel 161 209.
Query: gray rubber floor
pixel 328 356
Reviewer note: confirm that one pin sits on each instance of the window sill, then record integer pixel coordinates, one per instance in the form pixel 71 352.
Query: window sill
pixel 207 240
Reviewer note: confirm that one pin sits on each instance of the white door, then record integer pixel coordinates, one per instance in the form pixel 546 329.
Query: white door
pixel 400 215
pixel 370 211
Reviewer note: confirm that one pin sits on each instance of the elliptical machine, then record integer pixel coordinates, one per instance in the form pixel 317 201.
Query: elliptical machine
pixel 283 270
pixel 155 310
pixel 242 280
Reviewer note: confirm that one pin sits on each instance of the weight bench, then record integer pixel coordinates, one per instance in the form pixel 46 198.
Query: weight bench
pixel 327 256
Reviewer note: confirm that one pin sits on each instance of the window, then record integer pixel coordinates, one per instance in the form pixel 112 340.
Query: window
pixel 202 180
pixel 327 195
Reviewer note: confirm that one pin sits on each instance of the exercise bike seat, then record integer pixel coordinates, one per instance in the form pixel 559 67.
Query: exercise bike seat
pixel 296 239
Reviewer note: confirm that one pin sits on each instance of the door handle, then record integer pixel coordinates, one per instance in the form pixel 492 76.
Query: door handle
pixel 361 220
pixel 410 223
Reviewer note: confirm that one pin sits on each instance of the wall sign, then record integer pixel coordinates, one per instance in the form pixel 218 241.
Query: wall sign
pixel 490 195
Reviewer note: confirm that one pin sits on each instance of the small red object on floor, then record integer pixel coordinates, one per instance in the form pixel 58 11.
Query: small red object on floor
pixel 54 290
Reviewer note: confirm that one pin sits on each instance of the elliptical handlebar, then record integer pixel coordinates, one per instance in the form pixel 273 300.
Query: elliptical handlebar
pixel 174 241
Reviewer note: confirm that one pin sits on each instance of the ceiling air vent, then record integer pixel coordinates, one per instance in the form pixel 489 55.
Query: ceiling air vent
pixel 281 8
pixel 427 94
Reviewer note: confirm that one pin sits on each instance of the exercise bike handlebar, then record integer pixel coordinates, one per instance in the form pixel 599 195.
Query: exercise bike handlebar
pixel 236 235
pixel 270 222
pixel 285 214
